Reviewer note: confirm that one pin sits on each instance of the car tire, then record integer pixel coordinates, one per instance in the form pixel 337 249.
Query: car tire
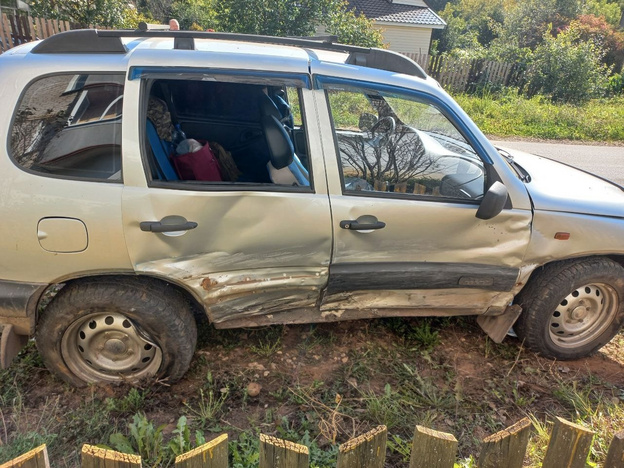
pixel 114 329
pixel 571 309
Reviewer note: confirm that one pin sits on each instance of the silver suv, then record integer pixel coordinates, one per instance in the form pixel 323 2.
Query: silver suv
pixel 150 174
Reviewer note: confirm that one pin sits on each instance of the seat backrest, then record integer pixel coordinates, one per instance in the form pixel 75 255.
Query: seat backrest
pixel 284 109
pixel 284 165
pixel 161 150
pixel 268 107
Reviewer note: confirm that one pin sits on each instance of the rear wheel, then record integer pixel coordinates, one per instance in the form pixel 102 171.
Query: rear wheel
pixel 571 309
pixel 117 330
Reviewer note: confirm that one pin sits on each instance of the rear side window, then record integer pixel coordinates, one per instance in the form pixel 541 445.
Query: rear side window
pixel 70 126
pixel 224 135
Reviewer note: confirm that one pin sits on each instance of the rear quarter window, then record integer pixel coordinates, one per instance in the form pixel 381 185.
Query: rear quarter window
pixel 70 126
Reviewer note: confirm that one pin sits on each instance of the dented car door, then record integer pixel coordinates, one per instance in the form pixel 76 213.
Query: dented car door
pixel 405 185
pixel 245 249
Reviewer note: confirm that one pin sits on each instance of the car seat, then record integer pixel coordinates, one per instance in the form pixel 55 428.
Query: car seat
pixel 276 106
pixel 284 166
pixel 161 150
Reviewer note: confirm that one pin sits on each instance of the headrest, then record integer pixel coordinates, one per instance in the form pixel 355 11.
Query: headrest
pixel 281 149
pixel 268 107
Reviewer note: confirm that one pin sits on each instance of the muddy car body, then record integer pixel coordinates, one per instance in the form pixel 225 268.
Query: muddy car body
pixel 350 186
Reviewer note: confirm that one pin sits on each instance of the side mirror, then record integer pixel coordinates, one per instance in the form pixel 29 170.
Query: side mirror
pixel 493 202
pixel 367 121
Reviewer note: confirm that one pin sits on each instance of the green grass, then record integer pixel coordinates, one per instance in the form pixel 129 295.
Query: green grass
pixel 441 373
pixel 508 114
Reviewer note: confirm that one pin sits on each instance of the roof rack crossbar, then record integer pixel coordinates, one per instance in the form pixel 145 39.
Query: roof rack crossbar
pixel 83 41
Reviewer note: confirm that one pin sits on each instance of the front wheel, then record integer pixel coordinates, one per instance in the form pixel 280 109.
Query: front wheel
pixel 117 330
pixel 573 308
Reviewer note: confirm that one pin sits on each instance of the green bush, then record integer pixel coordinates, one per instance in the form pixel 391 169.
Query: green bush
pixel 567 69
pixel 616 84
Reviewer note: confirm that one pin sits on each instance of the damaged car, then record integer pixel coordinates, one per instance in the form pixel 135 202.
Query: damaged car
pixel 152 175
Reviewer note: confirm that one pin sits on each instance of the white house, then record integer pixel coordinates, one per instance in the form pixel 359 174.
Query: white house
pixel 406 24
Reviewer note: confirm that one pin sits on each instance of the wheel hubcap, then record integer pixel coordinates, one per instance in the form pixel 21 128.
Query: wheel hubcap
pixel 583 315
pixel 109 347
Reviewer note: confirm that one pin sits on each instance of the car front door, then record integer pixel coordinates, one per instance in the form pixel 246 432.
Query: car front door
pixel 405 185
pixel 246 247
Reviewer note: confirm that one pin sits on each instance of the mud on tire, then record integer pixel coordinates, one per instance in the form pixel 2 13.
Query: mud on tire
pixel 117 329
pixel 572 308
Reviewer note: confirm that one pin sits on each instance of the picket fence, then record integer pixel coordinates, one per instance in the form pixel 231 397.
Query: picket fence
pixel 17 28
pixel 464 75
pixel 569 446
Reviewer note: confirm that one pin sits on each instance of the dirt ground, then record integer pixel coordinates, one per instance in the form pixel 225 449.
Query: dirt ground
pixel 323 384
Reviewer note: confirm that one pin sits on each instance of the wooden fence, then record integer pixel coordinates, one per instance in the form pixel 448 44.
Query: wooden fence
pixel 466 75
pixel 569 446
pixel 18 28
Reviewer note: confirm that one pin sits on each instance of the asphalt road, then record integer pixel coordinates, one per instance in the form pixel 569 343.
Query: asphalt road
pixel 605 161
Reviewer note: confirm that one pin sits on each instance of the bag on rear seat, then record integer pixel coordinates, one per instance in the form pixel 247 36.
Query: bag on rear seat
pixel 198 165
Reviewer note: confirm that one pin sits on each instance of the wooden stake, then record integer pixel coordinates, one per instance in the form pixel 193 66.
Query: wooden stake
pixel 213 454
pixel 615 457
pixel 365 451
pixel 36 458
pixel 569 445
pixel 278 453
pixel 507 447
pixel 95 457
pixel 432 449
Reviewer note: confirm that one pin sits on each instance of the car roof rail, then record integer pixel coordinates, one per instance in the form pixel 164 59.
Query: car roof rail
pixel 93 41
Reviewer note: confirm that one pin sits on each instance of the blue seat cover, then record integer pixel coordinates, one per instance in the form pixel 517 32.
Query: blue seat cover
pixel 161 150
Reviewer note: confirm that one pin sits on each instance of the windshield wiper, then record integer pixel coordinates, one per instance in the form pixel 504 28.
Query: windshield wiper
pixel 523 175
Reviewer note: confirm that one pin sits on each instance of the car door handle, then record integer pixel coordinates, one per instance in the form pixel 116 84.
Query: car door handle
pixel 354 225
pixel 157 226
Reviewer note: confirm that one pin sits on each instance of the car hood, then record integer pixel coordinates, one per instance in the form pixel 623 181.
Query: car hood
pixel 558 187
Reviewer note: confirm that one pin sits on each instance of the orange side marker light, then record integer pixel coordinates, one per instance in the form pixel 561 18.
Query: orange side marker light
pixel 562 235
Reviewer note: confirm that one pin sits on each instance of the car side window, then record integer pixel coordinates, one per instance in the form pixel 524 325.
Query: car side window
pixel 225 134
pixel 392 144
pixel 70 126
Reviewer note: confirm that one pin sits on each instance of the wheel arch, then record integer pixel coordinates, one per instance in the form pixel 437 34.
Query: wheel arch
pixel 555 263
pixel 161 310
pixel 48 294
pixel 540 293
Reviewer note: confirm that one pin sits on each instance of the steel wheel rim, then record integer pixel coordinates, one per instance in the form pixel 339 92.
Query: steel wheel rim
pixel 583 315
pixel 109 347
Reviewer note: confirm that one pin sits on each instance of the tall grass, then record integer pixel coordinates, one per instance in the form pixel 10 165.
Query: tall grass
pixel 508 114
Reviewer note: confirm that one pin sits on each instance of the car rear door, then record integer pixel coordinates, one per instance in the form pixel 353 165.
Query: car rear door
pixel 257 249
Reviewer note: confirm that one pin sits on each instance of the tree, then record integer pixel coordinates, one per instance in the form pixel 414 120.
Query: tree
pixel 567 68
pixel 598 30
pixel 296 18
pixel 351 28
pixel 160 10
pixel 271 17
pixel 525 23
pixel 108 13
pixel 198 13
pixel 471 23
pixel 611 11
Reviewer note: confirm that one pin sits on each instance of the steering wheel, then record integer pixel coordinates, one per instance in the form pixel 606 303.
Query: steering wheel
pixel 386 121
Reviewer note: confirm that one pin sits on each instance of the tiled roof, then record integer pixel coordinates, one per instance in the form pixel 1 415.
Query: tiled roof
pixel 386 11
